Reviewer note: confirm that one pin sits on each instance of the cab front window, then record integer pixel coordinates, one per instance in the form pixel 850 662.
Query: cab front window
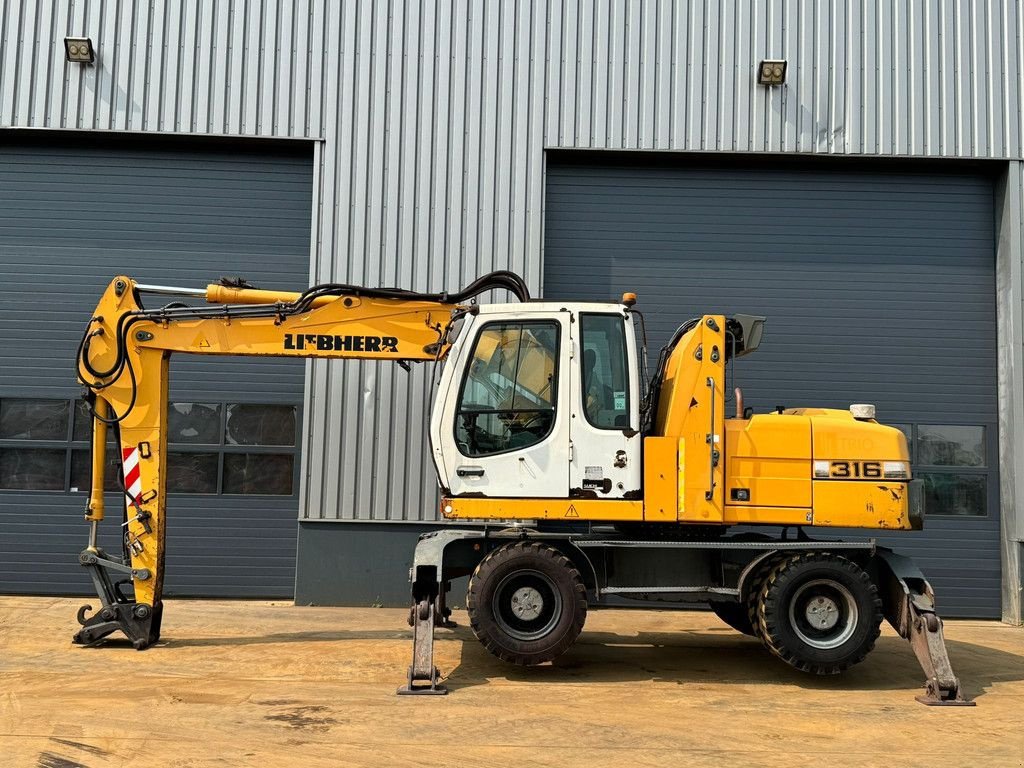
pixel 509 393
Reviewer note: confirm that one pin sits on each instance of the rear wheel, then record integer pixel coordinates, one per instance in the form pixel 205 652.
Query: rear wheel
pixel 819 612
pixel 526 603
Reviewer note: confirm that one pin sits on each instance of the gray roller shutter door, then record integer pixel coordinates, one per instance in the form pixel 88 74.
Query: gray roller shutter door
pixel 75 213
pixel 879 287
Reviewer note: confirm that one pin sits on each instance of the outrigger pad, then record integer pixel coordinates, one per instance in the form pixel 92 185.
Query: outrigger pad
pixel 139 622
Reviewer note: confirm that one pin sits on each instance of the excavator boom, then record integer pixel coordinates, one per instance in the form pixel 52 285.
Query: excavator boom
pixel 123 362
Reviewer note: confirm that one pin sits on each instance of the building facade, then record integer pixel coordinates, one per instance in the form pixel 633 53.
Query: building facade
pixel 870 205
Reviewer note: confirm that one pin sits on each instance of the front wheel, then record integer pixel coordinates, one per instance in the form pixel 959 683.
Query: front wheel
pixel 526 603
pixel 819 612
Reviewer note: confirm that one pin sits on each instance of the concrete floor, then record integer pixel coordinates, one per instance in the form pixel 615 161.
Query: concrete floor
pixel 270 684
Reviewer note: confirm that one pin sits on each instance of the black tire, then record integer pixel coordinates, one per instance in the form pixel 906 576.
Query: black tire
pixel 819 612
pixel 752 590
pixel 735 615
pixel 526 603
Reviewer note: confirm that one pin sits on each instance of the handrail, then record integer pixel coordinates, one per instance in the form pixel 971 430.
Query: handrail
pixel 710 493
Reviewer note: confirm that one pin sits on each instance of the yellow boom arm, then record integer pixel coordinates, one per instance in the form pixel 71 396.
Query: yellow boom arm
pixel 123 362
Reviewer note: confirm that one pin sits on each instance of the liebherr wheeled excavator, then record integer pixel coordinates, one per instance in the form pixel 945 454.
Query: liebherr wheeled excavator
pixel 590 485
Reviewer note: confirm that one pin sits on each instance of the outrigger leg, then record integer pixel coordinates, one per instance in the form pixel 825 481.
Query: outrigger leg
pixel 440 556
pixel 909 605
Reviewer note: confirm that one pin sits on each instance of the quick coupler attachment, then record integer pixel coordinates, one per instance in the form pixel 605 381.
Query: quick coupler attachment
pixel 139 622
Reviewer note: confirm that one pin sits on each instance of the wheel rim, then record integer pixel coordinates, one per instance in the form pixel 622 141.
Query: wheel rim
pixel 823 614
pixel 527 605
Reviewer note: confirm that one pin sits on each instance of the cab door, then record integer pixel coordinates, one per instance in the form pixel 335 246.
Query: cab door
pixel 606 443
pixel 503 429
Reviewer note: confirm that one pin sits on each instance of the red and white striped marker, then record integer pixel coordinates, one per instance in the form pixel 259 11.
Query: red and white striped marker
pixel 132 474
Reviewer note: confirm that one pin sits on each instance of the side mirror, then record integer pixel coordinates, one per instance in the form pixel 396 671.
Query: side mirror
pixel 751 330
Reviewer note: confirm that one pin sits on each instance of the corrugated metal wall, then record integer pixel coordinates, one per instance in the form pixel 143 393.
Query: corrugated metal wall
pixel 435 115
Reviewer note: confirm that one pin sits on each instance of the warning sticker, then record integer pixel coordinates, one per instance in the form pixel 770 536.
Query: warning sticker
pixel 571 511
pixel 593 473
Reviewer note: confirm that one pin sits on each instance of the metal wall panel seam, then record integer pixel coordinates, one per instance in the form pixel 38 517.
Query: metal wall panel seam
pixel 568 73
pixel 185 63
pixel 166 104
pixel 291 86
pixel 65 88
pixel 54 87
pixel 993 145
pixel 248 53
pixel 614 63
pixel 8 60
pixel 648 78
pixel 44 79
pixel 16 13
pixel 489 106
pixel 584 111
pixel 27 95
pixel 1019 50
pixel 316 97
pixel 597 118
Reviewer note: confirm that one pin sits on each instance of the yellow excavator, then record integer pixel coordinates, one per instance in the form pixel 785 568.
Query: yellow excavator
pixel 591 482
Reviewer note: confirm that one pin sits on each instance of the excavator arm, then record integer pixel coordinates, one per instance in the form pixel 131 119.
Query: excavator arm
pixel 123 362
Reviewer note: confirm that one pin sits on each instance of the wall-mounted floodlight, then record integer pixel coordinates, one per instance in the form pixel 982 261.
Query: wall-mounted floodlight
pixel 79 50
pixel 771 72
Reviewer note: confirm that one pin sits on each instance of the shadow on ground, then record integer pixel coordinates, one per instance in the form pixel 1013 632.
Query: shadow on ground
pixel 709 656
pixel 706 657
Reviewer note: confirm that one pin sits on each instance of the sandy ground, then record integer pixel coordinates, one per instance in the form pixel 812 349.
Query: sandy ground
pixel 271 684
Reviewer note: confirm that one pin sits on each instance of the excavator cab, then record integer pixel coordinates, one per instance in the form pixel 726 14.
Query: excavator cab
pixel 540 400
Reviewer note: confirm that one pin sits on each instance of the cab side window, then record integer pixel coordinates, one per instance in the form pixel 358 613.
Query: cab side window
pixel 509 393
pixel 605 373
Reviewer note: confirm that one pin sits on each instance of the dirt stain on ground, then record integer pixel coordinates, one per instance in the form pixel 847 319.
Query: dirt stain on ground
pixel 309 718
pixel 79 745
pixel 50 760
